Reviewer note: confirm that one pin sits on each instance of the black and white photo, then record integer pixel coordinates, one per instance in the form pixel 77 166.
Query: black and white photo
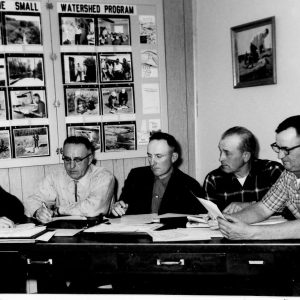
pixel 117 99
pixel 2 71
pixel 119 136
pixel 92 132
pixel 31 141
pixel 115 67
pixel 80 68
pixel 5 143
pixel 28 104
pixel 3 106
pixel 25 71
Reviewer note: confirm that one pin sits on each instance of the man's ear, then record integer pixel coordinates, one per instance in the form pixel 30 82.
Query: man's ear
pixel 91 158
pixel 174 157
pixel 246 156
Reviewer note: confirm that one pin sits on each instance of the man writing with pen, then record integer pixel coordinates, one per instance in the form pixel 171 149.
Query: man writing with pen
pixel 79 189
pixel 160 187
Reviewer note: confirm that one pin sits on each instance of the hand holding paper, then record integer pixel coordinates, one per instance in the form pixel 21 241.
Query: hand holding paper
pixel 212 209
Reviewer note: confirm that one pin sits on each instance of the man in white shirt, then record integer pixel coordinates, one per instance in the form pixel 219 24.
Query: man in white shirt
pixel 80 188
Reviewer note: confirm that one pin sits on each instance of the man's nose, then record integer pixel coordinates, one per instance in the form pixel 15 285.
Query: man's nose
pixel 152 161
pixel 221 157
pixel 72 164
pixel 281 154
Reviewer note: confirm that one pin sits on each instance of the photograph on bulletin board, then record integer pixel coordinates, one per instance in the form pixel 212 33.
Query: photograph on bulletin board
pixel 80 68
pixel 5 143
pixel 91 131
pixel 27 103
pixel 147 29
pixel 3 106
pixel 117 99
pixel 31 141
pixel 81 101
pixel 77 30
pixel 114 31
pixel 2 71
pixel 115 67
pixel 23 29
pixel 26 70
pixel 120 136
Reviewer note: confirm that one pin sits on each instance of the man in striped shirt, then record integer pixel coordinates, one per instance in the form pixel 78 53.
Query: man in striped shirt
pixel 241 179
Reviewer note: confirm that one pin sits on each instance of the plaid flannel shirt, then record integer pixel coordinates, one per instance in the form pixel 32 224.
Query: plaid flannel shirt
pixel 285 193
pixel 223 188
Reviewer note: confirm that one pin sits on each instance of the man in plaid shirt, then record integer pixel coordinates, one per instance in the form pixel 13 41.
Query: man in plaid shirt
pixel 284 193
pixel 241 179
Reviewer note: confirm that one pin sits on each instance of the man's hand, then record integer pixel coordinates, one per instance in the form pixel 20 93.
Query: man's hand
pixel 234 207
pixel 119 208
pixel 6 223
pixel 43 214
pixel 233 229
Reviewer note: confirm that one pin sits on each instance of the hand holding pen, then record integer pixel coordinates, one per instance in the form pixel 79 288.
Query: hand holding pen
pixel 44 214
pixel 119 208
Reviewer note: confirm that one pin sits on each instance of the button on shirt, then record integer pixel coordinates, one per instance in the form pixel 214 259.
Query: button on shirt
pixel 94 193
pixel 284 193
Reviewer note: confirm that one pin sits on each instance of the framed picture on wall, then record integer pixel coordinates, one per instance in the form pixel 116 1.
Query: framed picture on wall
pixel 254 53
pixel 5 145
pixel 120 136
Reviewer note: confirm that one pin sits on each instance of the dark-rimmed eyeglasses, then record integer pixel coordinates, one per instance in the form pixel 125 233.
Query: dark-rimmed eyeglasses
pixel 284 150
pixel 76 160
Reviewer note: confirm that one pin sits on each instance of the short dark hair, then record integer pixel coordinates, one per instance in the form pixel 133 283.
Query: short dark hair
pixel 171 141
pixel 293 121
pixel 248 140
pixel 80 140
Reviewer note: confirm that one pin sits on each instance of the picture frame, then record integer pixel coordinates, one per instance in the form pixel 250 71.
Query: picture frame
pixel 3 105
pixel 2 71
pixel 23 29
pixel 119 136
pixel 26 70
pixel 79 68
pixel 31 141
pixel 27 103
pixel 117 99
pixel 115 67
pixel 91 131
pixel 77 30
pixel 114 31
pixel 254 53
pixel 82 101
pixel 5 143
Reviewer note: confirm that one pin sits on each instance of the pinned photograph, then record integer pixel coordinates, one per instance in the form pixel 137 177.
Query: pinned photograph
pixel 115 67
pixel 82 101
pixel 117 100
pixel 3 113
pixel 147 29
pixel 25 71
pixel 2 72
pixel 254 53
pixel 92 132
pixel 31 141
pixel 28 104
pixel 22 29
pixel 5 145
pixel 119 137
pixel 114 31
pixel 149 60
pixel 77 31
pixel 80 68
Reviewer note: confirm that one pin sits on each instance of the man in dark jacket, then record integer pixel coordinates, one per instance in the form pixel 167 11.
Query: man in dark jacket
pixel 160 187
pixel 11 210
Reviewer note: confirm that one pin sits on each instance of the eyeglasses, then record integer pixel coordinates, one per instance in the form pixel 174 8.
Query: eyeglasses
pixel 76 160
pixel 284 150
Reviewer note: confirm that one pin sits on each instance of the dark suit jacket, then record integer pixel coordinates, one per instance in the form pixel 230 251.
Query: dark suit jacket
pixel 137 192
pixel 11 207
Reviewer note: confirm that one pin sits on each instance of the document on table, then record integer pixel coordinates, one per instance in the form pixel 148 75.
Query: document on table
pixel 272 220
pixel 118 227
pixel 184 234
pixel 66 218
pixel 28 230
pixel 135 219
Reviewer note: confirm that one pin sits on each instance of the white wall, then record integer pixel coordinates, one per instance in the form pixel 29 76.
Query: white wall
pixel 260 108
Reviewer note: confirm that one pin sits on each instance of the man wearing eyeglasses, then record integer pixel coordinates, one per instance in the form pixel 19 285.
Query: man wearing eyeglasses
pixel 80 188
pixel 160 187
pixel 284 193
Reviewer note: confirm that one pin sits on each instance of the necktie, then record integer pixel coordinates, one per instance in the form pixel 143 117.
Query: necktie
pixel 75 190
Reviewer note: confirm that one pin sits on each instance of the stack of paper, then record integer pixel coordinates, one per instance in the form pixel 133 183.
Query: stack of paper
pixel 22 231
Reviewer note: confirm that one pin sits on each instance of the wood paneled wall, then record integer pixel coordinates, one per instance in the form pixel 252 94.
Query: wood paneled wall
pixel 180 91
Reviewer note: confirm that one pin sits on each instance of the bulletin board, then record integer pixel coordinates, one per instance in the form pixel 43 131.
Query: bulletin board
pixel 80 68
